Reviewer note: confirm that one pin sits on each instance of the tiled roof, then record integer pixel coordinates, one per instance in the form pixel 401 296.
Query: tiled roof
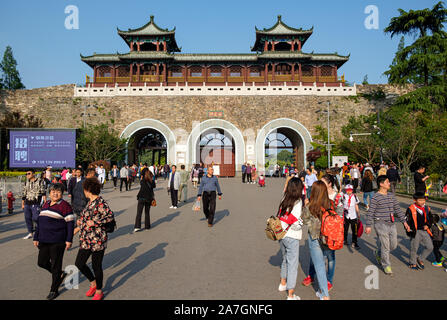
pixel 150 29
pixel 280 28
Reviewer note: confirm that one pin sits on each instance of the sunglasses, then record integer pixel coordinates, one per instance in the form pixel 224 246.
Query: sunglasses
pixel 29 173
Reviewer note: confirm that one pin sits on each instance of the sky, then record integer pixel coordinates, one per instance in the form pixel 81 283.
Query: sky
pixel 48 53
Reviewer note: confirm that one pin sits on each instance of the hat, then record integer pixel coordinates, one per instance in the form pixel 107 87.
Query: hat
pixel 349 187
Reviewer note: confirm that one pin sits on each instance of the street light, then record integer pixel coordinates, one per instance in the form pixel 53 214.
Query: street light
pixel 329 145
pixel 85 112
pixel 351 138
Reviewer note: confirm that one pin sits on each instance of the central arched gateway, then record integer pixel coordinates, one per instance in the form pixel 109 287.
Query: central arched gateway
pixel 226 132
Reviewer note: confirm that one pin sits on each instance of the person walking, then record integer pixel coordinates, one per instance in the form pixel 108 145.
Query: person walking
pixel 183 190
pixel 174 185
pixel 381 214
pixel 309 181
pixel 166 171
pixel 195 176
pixel 244 172
pixel 115 175
pixel 54 235
pixel 318 204
pixel 124 177
pixel 78 199
pixel 254 175
pixel 394 177
pixel 419 180
pixel 102 175
pixel 334 196
pixel 289 213
pixel 351 213
pixel 419 219
pixel 93 237
pixel 248 172
pixel 145 197
pixel 207 190
pixel 64 177
pixel 355 176
pixel 33 193
pixel 367 188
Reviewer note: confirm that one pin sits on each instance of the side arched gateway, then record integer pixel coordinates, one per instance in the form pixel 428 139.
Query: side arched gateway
pixel 152 138
pixel 283 138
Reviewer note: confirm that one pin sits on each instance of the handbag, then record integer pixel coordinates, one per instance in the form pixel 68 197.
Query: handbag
pixel 154 203
pixel 359 229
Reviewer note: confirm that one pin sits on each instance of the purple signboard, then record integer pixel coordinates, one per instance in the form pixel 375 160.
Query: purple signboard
pixel 41 148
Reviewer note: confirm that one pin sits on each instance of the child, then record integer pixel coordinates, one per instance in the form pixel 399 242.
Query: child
pixel 261 180
pixel 438 231
pixel 419 220
pixel 350 204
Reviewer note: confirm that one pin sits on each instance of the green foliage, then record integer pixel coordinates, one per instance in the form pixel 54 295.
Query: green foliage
pixel 365 80
pixel 10 75
pixel 100 142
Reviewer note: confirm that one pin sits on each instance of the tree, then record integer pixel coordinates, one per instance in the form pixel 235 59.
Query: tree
pixel 417 23
pixel 10 78
pixel 365 80
pixel 100 142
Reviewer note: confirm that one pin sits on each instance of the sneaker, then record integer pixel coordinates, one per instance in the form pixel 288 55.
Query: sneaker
pixel 91 292
pixel 136 230
pixel 436 264
pixel 174 207
pixel 378 258
pixel 329 286
pixel 356 246
pixel 306 282
pixel 171 207
pixel 29 236
pixel 420 264
pixel 294 297
pixel 98 296
pixel 442 259
pixel 319 295
pixel 388 271
pixel 282 287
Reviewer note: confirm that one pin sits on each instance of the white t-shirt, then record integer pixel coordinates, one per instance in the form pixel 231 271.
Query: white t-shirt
pixel 350 205
pixel 151 169
pixel 295 231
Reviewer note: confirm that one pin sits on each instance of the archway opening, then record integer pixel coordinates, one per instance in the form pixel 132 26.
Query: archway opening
pixel 284 146
pixel 217 147
pixel 148 146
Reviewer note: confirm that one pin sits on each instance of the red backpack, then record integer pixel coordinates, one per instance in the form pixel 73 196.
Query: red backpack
pixel 332 229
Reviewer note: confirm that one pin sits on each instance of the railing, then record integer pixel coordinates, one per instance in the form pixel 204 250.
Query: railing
pixel 216 79
pixel 176 79
pixel 308 79
pixel 407 186
pixel 122 79
pixel 327 79
pixel 255 79
pixel 196 79
pixel 104 79
pixel 235 79
pixel 283 77
pixel 150 78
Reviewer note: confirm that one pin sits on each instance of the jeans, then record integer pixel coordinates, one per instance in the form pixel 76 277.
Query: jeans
pixel 386 241
pixel 290 256
pixel 32 212
pixel 424 237
pixel 330 255
pixel 308 191
pixel 316 254
pixel 365 197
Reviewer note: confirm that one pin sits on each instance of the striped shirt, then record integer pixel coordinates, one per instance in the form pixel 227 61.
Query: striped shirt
pixel 384 208
pixel 55 223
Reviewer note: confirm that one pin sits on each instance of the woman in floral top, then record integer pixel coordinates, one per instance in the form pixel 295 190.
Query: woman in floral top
pixel 93 237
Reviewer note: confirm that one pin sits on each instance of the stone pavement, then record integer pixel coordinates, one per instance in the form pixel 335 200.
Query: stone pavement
pixel 181 258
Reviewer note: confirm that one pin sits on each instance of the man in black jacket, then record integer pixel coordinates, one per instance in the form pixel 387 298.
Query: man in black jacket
pixel 78 199
pixel 393 177
pixel 145 197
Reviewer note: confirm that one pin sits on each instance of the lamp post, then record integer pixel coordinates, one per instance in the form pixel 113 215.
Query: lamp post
pixel 351 138
pixel 329 145
pixel 85 112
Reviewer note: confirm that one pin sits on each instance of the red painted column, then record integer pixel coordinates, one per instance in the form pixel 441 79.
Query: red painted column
pixel 245 73
pixel 292 44
pixel 131 72
pixel 113 71
pixel 165 79
pixel 131 46
pixel 225 70
pixel 95 73
pixel 158 45
pixel 335 74
pixel 299 71
pixel 273 71
pixel 273 45
pixel 157 71
pixel 317 73
pixel 165 46
pixel 293 71
pixel 266 45
pixel 186 73
pixel 138 46
pixel 266 77
pixel 138 72
pixel 299 45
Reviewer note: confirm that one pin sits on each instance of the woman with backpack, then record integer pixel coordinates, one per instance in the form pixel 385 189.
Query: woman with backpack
pixel 290 215
pixel 93 236
pixel 145 197
pixel 331 182
pixel 318 205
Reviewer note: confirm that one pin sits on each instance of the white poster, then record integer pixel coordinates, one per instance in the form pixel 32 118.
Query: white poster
pixel 216 170
pixel 340 160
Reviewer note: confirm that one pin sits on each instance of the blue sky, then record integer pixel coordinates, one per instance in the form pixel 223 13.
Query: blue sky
pixel 48 54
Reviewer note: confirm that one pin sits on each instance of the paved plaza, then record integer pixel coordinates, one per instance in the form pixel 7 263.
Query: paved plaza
pixel 182 258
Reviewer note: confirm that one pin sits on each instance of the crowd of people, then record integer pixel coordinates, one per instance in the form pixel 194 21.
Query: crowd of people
pixel 311 197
